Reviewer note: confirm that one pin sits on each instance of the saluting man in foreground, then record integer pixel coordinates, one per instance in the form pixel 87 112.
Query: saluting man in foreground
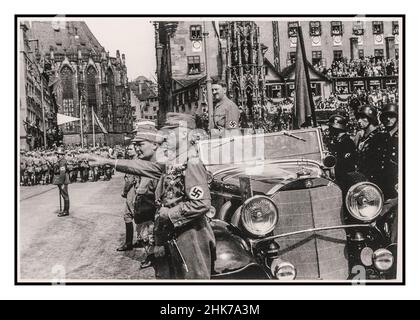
pixel 183 199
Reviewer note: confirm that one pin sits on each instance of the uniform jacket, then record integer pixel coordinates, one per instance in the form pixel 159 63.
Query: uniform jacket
pixel 371 150
pixel 61 175
pixel 182 192
pixel 344 149
pixel 145 199
pixel 226 114
pixel 390 159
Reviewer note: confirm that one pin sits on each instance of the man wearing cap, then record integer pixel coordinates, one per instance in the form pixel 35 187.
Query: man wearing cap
pixel 183 199
pixel 226 112
pixel 342 147
pixel 371 145
pixel 147 142
pixel 128 193
pixel 389 119
pixel 61 180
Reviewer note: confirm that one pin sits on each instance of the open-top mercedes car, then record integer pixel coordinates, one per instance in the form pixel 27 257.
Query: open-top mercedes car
pixel 279 214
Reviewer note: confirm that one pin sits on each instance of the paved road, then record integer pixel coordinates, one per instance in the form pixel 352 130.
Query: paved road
pixel 81 246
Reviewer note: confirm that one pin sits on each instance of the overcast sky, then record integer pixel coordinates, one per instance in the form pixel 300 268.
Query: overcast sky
pixel 132 36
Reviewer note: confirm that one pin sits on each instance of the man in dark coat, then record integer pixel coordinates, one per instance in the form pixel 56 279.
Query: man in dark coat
pixel 389 119
pixel 62 180
pixel 342 147
pixel 184 199
pixel 371 145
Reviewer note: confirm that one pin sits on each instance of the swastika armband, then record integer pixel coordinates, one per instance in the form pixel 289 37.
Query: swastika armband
pixel 196 193
pixel 62 168
pixel 233 124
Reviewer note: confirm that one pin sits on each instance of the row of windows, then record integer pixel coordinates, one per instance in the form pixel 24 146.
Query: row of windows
pixel 314 29
pixel 150 117
pixel 338 55
pixel 197 34
pixel 337 28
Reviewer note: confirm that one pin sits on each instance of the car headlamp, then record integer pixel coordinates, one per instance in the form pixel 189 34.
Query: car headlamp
pixel 364 201
pixel 383 259
pixel 259 215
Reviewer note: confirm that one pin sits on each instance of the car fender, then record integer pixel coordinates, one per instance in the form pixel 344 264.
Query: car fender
pixel 232 252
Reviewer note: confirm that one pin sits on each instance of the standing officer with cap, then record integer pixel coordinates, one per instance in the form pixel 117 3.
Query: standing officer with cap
pixel 342 147
pixel 226 112
pixel 62 180
pixel 371 145
pixel 128 193
pixel 183 198
pixel 389 119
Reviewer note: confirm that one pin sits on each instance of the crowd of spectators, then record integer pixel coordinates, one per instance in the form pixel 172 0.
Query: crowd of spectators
pixel 366 67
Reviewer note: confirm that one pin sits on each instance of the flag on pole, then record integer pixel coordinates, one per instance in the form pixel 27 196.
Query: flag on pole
pixel 62 119
pixel 304 109
pixel 100 124
pixel 55 83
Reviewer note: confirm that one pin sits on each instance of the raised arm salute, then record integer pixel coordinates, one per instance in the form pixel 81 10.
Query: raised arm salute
pixel 183 199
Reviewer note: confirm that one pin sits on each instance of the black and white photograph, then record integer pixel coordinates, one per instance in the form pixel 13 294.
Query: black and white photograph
pixel 209 149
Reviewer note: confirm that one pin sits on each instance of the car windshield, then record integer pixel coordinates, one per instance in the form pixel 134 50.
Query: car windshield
pixel 303 144
pixel 270 171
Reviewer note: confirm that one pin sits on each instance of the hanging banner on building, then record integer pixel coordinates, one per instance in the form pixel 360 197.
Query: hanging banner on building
pixel 360 40
pixel 293 42
pixel 62 119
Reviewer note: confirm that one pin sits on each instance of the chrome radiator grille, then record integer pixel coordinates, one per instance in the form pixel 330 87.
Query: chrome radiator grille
pixel 316 255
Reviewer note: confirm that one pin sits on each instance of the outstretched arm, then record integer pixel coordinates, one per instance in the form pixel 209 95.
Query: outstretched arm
pixel 137 167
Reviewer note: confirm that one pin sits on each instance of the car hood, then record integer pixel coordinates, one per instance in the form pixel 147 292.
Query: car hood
pixel 265 175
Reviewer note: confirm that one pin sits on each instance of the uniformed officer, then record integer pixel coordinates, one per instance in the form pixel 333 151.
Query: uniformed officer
pixel 342 147
pixel 389 119
pixel 38 168
pixel 147 141
pixel 226 112
pixel 129 194
pixel 183 197
pixel 61 179
pixel 22 168
pixel 45 168
pixel 30 169
pixel 371 145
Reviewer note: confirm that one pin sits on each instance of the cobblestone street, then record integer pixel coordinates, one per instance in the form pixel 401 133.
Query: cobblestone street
pixel 81 246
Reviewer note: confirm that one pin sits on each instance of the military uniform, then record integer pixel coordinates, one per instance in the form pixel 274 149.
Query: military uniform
pixel 342 147
pixel 226 114
pixel 38 169
pixel 391 155
pixel 391 165
pixel 84 168
pixel 45 170
pixel 30 170
pixel 183 196
pixel 61 179
pixel 371 150
pixel 23 170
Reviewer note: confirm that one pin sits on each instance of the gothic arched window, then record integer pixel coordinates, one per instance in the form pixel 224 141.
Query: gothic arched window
pixel 110 96
pixel 66 75
pixel 91 88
